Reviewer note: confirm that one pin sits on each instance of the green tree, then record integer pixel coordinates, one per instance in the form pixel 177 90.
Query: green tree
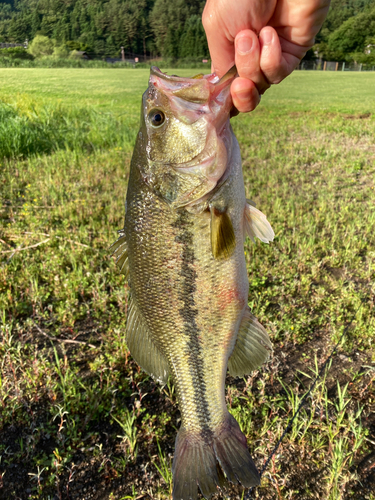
pixel 35 23
pixel 19 28
pixel 61 51
pixel 61 31
pixel 41 46
pixel 163 27
pixel 170 47
pixel 368 55
pixel 193 41
pixel 74 22
pixel 339 12
pixel 15 53
pixel 167 21
pixel 351 36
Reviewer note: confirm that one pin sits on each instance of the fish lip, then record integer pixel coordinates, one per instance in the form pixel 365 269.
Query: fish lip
pixel 194 162
pixel 211 91
pixel 212 78
pixel 155 71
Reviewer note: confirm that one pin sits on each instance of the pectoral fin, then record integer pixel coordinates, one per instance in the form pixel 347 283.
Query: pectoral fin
pixel 223 240
pixel 120 251
pixel 142 347
pixel 252 347
pixel 256 224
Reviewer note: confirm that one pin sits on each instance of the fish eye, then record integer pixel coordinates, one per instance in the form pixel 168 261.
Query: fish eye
pixel 156 118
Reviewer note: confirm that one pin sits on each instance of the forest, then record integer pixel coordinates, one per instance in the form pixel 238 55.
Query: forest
pixel 167 28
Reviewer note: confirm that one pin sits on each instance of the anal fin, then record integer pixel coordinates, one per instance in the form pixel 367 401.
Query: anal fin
pixel 252 347
pixel 143 348
pixel 223 240
pixel 256 224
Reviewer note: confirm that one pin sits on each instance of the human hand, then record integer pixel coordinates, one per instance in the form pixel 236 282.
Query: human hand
pixel 286 30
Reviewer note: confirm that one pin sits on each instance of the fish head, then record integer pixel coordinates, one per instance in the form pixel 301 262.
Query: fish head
pixel 186 134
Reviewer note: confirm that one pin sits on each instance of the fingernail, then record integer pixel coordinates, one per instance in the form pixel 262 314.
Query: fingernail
pixel 267 37
pixel 244 45
pixel 246 101
pixel 244 95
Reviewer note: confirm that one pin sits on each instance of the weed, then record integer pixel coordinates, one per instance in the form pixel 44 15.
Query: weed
pixel 164 467
pixel 127 423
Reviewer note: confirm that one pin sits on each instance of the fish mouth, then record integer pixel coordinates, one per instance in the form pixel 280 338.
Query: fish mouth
pixel 203 96
pixel 207 98
pixel 201 89
pixel 211 78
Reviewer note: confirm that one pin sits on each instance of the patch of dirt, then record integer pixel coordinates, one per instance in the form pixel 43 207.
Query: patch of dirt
pixel 362 116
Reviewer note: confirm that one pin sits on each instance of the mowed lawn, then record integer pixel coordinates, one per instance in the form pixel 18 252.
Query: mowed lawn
pixel 78 418
pixel 120 88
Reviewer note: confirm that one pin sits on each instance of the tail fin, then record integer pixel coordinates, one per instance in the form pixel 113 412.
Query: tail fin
pixel 234 457
pixel 197 456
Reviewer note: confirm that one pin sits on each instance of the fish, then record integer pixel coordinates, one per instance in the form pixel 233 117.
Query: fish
pixel 182 249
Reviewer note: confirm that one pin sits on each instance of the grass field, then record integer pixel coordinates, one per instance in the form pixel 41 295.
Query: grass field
pixel 78 418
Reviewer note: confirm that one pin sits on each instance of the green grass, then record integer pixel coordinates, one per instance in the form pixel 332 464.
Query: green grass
pixel 119 90
pixel 350 92
pixel 75 410
pixel 31 130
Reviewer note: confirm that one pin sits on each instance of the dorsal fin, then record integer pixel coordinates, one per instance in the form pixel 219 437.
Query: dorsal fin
pixel 223 240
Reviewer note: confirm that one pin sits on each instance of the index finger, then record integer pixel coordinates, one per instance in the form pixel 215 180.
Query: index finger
pixel 220 46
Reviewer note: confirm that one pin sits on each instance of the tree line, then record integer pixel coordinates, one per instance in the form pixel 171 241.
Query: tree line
pixel 168 28
pixel 171 28
pixel 348 34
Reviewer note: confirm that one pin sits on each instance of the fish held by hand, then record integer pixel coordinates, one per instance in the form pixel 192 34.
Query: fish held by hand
pixel 182 246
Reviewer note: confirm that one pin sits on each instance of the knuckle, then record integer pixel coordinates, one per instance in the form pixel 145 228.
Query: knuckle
pixel 272 74
pixel 274 77
pixel 247 70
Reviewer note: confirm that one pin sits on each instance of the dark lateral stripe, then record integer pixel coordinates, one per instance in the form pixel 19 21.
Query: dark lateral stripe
pixel 188 313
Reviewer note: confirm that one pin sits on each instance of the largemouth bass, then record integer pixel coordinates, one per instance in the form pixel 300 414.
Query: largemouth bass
pixel 186 218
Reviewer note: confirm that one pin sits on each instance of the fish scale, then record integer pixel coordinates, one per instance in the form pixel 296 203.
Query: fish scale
pixel 185 225
pixel 171 304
